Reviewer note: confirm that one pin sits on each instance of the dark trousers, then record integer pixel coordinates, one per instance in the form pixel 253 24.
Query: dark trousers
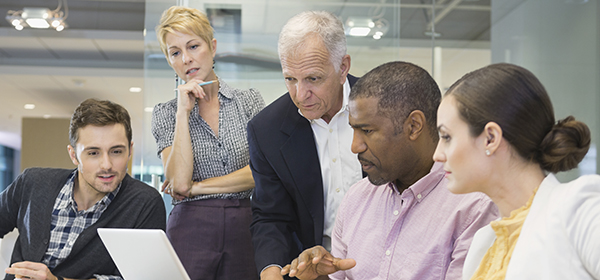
pixel 212 238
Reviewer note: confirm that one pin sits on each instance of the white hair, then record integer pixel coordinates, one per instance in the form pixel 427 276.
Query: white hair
pixel 326 25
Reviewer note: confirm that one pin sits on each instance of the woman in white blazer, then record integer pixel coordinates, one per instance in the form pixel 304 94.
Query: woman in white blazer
pixel 498 136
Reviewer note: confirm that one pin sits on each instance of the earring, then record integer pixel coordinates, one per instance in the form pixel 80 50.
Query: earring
pixel 176 84
pixel 214 64
pixel 487 152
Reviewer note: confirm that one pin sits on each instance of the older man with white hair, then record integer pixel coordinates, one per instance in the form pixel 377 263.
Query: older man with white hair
pixel 299 145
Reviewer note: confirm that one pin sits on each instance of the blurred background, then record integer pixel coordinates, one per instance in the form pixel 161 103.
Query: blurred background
pixel 108 50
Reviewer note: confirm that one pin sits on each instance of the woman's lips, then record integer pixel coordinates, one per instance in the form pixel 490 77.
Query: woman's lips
pixel 191 71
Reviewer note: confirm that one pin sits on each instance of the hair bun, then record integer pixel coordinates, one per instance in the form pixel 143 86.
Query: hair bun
pixel 565 145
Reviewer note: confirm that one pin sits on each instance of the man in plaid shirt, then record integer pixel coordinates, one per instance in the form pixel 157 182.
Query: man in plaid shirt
pixel 58 211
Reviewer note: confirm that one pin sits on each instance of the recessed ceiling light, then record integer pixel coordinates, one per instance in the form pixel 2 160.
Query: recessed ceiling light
pixel 359 31
pixel 29 106
pixel 148 109
pixel 47 116
pixel 135 89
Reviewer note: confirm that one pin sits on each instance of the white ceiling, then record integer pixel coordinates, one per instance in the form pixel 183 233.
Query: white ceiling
pixel 101 53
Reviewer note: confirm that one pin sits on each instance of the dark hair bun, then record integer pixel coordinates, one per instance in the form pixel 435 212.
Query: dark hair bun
pixel 565 145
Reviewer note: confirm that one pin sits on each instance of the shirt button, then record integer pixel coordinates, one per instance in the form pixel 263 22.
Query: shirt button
pixel 334 160
pixel 396 212
pixel 337 190
pixel 419 196
pixel 330 130
pixel 387 253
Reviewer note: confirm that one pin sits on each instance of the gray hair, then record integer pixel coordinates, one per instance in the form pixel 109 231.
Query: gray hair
pixel 326 25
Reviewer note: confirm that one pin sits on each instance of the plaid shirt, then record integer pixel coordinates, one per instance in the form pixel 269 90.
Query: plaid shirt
pixel 214 155
pixel 68 223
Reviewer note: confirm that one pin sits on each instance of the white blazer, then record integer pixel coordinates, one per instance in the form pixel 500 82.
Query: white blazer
pixel 560 238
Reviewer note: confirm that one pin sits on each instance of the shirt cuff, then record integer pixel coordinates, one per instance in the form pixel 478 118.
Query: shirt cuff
pixel 107 277
pixel 265 268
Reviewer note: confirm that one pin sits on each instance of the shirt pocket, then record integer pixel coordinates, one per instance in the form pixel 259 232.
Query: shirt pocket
pixel 418 265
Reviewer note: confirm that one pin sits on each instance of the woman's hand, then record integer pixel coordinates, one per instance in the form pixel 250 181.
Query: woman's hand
pixel 167 188
pixel 188 93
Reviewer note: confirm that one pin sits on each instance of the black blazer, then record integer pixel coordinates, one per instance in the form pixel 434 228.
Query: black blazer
pixel 287 205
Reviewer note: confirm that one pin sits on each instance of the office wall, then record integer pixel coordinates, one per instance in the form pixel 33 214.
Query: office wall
pixel 558 41
pixel 44 143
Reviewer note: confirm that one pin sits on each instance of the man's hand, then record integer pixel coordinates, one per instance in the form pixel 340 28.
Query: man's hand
pixel 271 273
pixel 31 270
pixel 315 262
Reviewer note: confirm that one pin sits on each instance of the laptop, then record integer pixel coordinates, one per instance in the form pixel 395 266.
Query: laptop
pixel 142 254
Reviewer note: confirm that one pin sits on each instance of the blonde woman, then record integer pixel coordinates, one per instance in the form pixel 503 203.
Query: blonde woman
pixel 201 139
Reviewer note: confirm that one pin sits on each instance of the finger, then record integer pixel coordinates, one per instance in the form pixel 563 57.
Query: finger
pixel 293 268
pixel 178 196
pixel 304 259
pixel 318 253
pixel 19 272
pixel 344 264
pixel 285 270
pixel 164 186
pixel 199 92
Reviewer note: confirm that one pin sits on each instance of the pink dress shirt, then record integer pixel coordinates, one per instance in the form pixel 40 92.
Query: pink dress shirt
pixel 422 233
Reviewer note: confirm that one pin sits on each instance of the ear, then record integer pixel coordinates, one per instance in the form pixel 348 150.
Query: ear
pixel 72 154
pixel 213 42
pixel 492 137
pixel 344 68
pixel 414 125
pixel 131 149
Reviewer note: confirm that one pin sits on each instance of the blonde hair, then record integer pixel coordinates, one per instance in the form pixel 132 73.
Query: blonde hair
pixel 185 20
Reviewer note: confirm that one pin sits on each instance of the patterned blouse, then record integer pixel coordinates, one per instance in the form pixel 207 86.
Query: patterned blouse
pixel 213 156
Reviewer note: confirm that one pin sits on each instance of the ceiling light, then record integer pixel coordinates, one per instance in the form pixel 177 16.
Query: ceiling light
pixel 366 26
pixel 47 116
pixel 359 31
pixel 37 23
pixel 29 106
pixel 359 26
pixel 135 89
pixel 148 109
pixel 41 18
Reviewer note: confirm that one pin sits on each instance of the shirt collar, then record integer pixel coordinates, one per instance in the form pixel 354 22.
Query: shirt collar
pixel 345 97
pixel 426 184
pixel 224 89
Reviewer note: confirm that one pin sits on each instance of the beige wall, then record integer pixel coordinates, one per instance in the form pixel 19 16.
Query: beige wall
pixel 44 143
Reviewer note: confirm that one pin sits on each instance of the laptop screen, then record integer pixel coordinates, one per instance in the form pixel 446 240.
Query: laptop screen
pixel 142 253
